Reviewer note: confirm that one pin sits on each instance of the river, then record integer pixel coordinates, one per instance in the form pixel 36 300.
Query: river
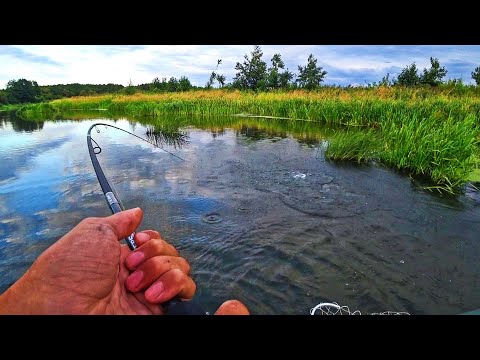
pixel 290 229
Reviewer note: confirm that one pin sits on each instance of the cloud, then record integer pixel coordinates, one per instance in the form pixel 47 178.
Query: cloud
pixel 101 64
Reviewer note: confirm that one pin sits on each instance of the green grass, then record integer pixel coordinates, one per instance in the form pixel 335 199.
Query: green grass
pixel 474 175
pixel 354 145
pixel 445 151
pixel 432 133
pixel 11 107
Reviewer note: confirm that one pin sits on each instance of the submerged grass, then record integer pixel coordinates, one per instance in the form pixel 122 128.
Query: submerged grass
pixel 427 132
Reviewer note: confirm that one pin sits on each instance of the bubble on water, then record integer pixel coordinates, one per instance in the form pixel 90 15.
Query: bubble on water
pixel 299 175
pixel 212 218
pixel 243 208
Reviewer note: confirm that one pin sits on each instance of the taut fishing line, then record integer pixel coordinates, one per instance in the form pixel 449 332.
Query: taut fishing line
pixel 128 132
pixel 174 306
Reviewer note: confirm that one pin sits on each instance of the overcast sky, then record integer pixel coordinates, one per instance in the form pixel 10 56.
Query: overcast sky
pixel 102 64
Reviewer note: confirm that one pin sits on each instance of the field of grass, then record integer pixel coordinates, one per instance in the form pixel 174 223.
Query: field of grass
pixel 433 133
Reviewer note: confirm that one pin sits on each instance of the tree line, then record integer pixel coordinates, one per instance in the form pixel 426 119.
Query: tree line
pixel 25 91
pixel 253 73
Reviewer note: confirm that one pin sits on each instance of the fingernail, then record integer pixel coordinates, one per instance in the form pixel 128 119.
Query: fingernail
pixel 134 280
pixel 155 290
pixel 142 237
pixel 135 259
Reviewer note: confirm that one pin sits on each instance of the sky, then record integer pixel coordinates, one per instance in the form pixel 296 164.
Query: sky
pixel 120 64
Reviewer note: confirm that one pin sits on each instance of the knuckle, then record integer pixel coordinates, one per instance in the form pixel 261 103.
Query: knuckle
pixel 184 265
pixel 154 234
pixel 160 245
pixel 191 288
pixel 179 275
pixel 87 222
pixel 166 263
pixel 158 265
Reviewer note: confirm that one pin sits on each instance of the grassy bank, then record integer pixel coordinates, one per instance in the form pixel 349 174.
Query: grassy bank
pixel 11 107
pixel 427 132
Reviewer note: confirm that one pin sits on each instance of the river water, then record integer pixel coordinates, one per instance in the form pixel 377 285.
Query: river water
pixel 255 208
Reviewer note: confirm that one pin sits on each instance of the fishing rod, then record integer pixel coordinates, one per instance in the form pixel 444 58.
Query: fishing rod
pixel 174 306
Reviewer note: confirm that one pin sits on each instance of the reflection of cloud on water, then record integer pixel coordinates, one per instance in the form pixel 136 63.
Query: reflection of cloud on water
pixel 52 188
pixel 200 137
pixel 11 220
pixel 140 184
pixel 9 228
pixel 20 158
pixel 3 206
pixel 58 188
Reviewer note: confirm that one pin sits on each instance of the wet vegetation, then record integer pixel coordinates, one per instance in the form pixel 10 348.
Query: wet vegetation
pixel 435 137
pixel 416 123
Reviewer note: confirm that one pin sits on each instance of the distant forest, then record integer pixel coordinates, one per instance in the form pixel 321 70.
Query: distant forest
pixel 252 74
pixel 26 91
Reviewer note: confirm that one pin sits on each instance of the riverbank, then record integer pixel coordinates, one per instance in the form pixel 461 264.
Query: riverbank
pixel 429 133
pixel 11 107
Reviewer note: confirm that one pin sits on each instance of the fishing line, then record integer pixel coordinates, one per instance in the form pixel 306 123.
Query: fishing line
pixel 174 306
pixel 128 132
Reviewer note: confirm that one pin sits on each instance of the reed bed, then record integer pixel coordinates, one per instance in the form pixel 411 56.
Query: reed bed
pixel 432 133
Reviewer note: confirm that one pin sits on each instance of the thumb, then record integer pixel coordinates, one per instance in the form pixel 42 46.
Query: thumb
pixel 125 222
pixel 232 307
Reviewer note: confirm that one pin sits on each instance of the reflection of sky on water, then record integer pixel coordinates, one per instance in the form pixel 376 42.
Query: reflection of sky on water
pixel 47 182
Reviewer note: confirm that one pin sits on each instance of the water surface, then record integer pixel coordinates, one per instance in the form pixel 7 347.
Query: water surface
pixel 291 229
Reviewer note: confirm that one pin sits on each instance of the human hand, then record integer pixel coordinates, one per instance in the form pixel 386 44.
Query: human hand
pixel 87 272
pixel 155 256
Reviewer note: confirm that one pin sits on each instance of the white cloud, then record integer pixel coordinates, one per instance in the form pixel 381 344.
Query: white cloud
pixel 97 64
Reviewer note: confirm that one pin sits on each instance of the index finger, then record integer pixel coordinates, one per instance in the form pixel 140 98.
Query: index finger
pixel 149 235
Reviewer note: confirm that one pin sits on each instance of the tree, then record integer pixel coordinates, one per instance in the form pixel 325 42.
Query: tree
pixel 276 79
pixel 252 74
pixel 3 97
pixel 311 75
pixel 285 79
pixel 216 76
pixel 273 73
pixel 22 91
pixel 156 84
pixel 130 89
pixel 476 75
pixel 221 80
pixel 211 80
pixel 184 84
pixel 385 81
pixel 434 75
pixel 172 84
pixel 409 76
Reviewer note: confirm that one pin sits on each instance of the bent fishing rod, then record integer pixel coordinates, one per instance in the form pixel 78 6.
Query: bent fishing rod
pixel 174 306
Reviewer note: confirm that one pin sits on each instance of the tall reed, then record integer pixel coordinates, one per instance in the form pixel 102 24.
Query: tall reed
pixel 426 132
